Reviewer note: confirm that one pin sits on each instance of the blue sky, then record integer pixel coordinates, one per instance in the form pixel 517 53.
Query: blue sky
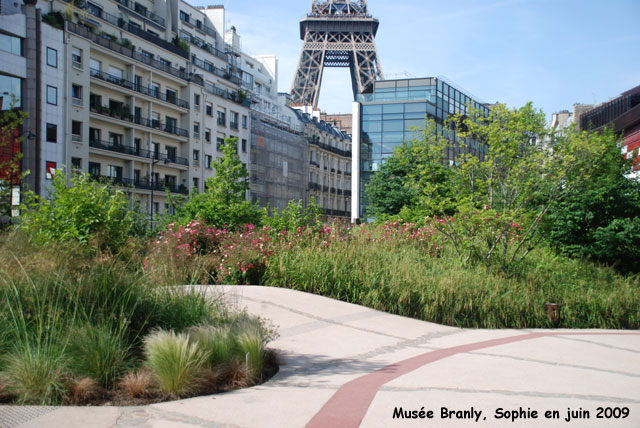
pixel 552 52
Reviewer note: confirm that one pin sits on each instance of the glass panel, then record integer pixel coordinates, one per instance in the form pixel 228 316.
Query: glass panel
pixel 392 125
pixel 374 109
pixel 393 108
pixel 393 137
pixel 415 107
pixel 374 126
pixel 393 116
pixel 409 124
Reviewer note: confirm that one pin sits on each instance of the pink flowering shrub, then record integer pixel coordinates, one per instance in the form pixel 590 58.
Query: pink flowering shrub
pixel 199 254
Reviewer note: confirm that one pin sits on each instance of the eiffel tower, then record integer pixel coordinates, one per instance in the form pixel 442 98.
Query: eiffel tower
pixel 337 33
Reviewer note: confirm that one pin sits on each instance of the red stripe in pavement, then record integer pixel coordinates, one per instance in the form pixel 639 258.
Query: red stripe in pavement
pixel 348 406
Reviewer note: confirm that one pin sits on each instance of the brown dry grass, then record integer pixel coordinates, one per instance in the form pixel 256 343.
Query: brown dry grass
pixel 137 384
pixel 82 390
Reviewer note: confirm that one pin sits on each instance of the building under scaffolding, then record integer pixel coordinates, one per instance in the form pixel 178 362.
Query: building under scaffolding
pixel 279 165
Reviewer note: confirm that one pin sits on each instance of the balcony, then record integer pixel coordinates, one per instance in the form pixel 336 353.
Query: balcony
pixel 169 158
pixel 215 70
pixel 127 51
pixel 134 151
pixel 142 12
pixel 230 95
pixel 347 192
pixel 145 184
pixel 138 88
pixel 316 142
pixel 314 163
pixel 314 186
pixel 333 190
pixel 124 113
pixel 119 148
pixel 233 125
pixel 200 26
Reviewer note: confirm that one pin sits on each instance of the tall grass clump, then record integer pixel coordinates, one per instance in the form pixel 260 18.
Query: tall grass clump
pixel 175 361
pixel 99 352
pixel 36 373
pixel 385 269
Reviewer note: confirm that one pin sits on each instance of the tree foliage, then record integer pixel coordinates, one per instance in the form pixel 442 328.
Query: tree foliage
pixel 223 204
pixel 413 177
pixel 10 155
pixel 491 209
pixel 601 217
pixel 87 211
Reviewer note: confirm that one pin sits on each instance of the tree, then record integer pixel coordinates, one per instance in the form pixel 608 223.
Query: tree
pixel 223 203
pixel 413 177
pixel 503 200
pixel 492 209
pixel 600 218
pixel 11 121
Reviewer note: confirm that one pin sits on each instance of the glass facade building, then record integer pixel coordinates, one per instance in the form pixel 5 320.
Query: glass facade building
pixel 395 112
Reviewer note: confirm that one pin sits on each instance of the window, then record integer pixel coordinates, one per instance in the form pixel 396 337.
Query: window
pixel 76 95
pixel 170 180
pixel 196 155
pixel 76 57
pixel 208 160
pixel 52 57
pixel 94 169
pixel 196 100
pixel 184 16
pixel 222 118
pixel 76 163
pixel 76 130
pixel 196 183
pixel 95 101
pixel 52 133
pixel 11 44
pixel 207 135
pixel 209 109
pixel 196 130
pixel 234 120
pixel 244 145
pixel 171 95
pixel 140 9
pixel 171 153
pixel 52 95
pixel 219 143
pixel 94 10
pixel 12 86
pixel 95 66
pixel 51 170
pixel 244 121
pixel 155 89
pixel 115 172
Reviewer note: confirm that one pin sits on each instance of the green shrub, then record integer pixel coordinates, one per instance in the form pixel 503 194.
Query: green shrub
pixel 175 361
pixel 85 210
pixel 295 215
pixel 35 374
pixel 99 352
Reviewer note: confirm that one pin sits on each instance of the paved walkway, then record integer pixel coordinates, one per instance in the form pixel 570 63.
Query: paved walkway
pixel 348 366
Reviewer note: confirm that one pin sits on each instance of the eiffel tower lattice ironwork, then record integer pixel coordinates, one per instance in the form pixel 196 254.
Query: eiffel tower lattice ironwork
pixel 337 33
